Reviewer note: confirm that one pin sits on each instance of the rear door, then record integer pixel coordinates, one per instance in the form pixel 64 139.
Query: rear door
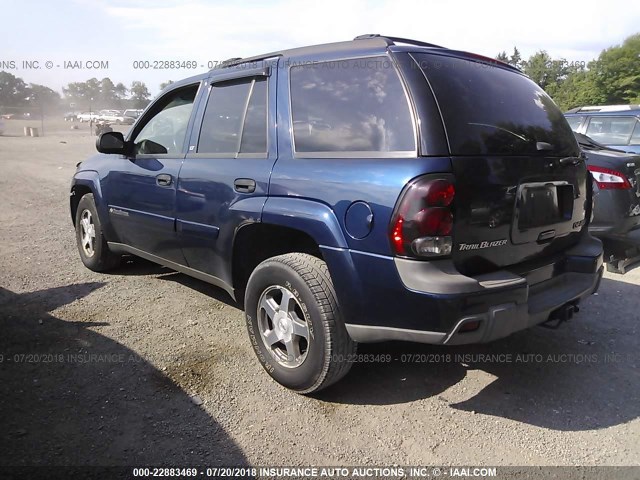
pixel 521 187
pixel 225 177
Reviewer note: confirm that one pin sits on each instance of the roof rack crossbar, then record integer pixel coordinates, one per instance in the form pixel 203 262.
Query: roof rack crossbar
pixel 394 40
pixel 606 108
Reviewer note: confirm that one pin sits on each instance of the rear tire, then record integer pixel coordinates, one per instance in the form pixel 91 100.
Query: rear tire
pixel 295 324
pixel 93 248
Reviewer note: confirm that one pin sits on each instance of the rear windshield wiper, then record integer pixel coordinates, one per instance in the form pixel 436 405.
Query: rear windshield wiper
pixel 521 137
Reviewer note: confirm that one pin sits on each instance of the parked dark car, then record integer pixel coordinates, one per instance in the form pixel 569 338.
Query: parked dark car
pixel 616 126
pixel 371 190
pixel 616 219
pixel 70 116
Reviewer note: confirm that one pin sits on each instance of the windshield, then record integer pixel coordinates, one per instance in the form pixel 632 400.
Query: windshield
pixel 489 110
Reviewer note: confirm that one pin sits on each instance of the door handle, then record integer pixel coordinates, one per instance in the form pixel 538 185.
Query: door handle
pixel 245 185
pixel 164 180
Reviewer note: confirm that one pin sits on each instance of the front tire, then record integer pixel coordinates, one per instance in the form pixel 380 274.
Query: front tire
pixel 93 248
pixel 295 324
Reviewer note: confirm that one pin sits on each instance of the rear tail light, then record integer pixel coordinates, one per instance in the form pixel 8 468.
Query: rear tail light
pixel 606 178
pixel 423 220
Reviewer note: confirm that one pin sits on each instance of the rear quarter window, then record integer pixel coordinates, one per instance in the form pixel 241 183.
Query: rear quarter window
pixel 355 106
pixel 575 122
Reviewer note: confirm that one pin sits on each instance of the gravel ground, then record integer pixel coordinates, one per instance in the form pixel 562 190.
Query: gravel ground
pixel 148 366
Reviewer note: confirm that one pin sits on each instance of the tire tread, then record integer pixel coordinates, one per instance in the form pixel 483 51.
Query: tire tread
pixel 339 345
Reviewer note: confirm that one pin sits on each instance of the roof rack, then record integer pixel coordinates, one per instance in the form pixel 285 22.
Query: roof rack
pixel 381 40
pixel 395 40
pixel 229 61
pixel 239 60
pixel 604 108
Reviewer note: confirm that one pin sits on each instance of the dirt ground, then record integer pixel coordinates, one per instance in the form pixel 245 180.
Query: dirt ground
pixel 147 366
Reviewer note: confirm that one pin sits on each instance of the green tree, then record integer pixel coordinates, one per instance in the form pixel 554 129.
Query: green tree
pixel 13 90
pixel 85 94
pixel 503 57
pixel 139 94
pixel 43 97
pixel 164 85
pixel 577 90
pixel 107 93
pixel 545 71
pixel 121 93
pixel 617 72
pixel 516 58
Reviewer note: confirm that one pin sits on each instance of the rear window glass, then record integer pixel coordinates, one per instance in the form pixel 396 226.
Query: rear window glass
pixel 611 130
pixel 354 105
pixel 489 110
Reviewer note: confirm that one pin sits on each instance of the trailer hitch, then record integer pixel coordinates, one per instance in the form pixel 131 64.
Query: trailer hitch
pixel 561 315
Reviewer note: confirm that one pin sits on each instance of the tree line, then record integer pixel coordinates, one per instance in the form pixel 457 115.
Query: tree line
pixel 611 79
pixel 16 95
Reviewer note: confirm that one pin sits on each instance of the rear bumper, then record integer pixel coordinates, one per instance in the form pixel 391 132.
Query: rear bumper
pixel 544 299
pixel 442 302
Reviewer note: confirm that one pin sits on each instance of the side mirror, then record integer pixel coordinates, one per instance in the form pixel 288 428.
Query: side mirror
pixel 111 142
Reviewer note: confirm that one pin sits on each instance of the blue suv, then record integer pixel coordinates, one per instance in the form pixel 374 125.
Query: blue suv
pixel 370 190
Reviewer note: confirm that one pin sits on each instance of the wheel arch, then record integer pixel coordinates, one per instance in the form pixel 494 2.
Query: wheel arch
pixel 84 182
pixel 256 242
pixel 306 227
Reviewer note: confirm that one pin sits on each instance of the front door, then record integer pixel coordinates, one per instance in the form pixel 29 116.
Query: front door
pixel 141 194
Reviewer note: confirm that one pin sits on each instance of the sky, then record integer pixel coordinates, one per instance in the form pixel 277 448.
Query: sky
pixel 116 36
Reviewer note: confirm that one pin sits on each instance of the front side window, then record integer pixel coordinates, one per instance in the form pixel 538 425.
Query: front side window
pixel 235 120
pixel 165 132
pixel 611 130
pixel 354 105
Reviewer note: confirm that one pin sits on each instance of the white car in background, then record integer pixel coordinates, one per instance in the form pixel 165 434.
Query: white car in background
pixel 87 117
pixel 114 116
